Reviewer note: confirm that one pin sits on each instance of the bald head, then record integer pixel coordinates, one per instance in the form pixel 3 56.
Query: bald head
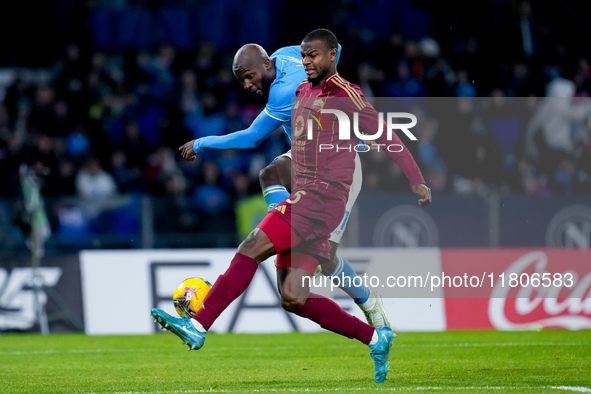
pixel 255 71
pixel 249 56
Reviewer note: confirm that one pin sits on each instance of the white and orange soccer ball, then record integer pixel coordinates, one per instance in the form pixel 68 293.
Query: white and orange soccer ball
pixel 188 296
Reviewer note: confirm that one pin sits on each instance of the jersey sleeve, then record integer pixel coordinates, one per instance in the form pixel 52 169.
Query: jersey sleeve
pixel 369 124
pixel 261 128
pixel 279 105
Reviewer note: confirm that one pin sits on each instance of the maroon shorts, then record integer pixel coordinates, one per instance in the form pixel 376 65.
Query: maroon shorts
pixel 283 239
pixel 308 219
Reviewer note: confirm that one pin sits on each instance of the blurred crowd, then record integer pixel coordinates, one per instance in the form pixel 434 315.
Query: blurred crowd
pixel 105 123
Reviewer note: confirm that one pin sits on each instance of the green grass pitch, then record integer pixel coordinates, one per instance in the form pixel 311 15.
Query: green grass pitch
pixel 470 361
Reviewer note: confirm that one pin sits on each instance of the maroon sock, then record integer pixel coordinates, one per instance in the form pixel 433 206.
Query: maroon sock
pixel 229 286
pixel 331 317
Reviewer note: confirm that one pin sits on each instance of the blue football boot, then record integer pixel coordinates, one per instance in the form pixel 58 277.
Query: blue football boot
pixel 380 353
pixel 181 327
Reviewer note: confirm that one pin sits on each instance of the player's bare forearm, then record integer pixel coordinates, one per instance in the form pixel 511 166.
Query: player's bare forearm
pixel 423 192
pixel 187 151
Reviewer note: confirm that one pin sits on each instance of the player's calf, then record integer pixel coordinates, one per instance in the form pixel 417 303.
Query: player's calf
pixel 368 301
pixel 276 181
pixel 293 305
pixel 293 288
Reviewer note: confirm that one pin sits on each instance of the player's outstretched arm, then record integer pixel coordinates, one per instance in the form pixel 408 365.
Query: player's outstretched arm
pixel 261 128
pixel 368 120
pixel 423 192
pixel 187 151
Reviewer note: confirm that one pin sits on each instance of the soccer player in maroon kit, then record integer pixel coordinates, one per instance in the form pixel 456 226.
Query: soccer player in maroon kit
pixel 298 229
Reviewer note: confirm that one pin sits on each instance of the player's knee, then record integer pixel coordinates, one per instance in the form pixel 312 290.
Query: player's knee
pixel 256 246
pixel 292 304
pixel 328 268
pixel 269 176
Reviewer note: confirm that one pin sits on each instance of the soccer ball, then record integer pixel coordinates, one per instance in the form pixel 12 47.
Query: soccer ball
pixel 189 295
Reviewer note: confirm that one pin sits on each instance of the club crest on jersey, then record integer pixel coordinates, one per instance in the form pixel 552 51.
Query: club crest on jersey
pixel 299 126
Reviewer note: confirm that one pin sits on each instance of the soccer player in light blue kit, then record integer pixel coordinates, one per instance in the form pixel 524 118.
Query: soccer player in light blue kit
pixel 274 80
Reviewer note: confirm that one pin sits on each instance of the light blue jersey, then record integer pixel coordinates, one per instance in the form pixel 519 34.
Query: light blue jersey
pixel 289 75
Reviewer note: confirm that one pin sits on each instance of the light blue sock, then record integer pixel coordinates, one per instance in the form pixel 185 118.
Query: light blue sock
pixel 274 195
pixel 354 288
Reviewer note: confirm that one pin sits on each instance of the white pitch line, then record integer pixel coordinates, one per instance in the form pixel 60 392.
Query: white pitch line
pixel 571 388
pixel 420 388
pixel 70 351
pixel 424 388
pixel 509 344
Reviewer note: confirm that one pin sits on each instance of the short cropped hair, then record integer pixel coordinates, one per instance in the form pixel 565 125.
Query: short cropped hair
pixel 326 36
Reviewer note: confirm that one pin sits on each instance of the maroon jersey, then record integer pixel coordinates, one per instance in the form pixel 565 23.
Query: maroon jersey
pixel 320 157
pixel 324 163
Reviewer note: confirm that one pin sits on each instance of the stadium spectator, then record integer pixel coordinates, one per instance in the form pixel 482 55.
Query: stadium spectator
pixel 92 182
pixel 560 123
pixel 121 99
pixel 404 85
pixel 188 93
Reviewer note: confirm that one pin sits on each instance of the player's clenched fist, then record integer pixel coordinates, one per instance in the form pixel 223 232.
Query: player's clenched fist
pixel 187 151
pixel 422 191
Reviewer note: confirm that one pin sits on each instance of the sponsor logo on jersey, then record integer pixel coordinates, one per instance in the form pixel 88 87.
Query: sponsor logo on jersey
pixel 299 126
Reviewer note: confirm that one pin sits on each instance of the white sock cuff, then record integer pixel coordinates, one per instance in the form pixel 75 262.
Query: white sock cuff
pixel 198 325
pixel 374 338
